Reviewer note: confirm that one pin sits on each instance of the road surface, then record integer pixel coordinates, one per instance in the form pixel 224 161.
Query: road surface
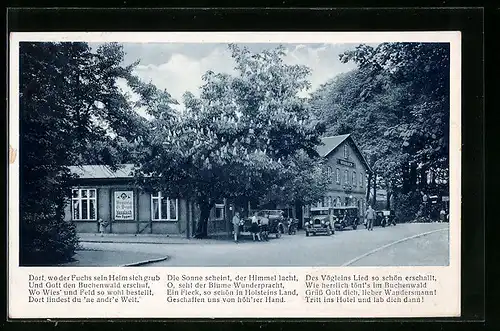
pixel 415 244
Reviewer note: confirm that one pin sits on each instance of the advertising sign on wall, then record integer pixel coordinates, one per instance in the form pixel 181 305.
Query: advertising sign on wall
pixel 124 205
pixel 346 163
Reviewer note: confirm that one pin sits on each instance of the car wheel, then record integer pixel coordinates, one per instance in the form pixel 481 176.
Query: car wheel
pixel 278 234
pixel 329 233
pixel 355 226
pixel 307 234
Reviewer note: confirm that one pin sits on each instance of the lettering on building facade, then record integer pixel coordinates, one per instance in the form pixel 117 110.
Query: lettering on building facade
pixel 124 205
pixel 346 163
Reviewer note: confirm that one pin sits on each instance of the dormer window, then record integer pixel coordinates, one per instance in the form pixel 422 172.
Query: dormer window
pixel 346 152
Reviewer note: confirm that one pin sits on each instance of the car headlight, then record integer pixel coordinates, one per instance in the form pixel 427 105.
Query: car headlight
pixel 322 221
pixel 327 222
pixel 307 223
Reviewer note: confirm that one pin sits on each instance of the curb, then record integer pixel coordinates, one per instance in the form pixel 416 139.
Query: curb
pixel 145 242
pixel 136 264
pixel 348 263
pixel 132 242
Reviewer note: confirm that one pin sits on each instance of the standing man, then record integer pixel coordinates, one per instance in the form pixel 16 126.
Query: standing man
pixel 236 225
pixel 442 215
pixel 370 215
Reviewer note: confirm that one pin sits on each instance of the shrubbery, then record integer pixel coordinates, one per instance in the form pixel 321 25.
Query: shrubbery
pixel 47 240
pixel 407 206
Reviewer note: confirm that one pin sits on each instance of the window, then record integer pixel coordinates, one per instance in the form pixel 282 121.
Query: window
pixel 346 177
pixel 84 204
pixel 338 176
pixel 329 172
pixel 346 151
pixel 163 208
pixel 361 180
pixel 330 201
pixel 219 211
pixel 354 178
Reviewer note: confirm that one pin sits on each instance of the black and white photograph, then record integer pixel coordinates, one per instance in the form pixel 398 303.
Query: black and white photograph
pixel 200 174
pixel 205 154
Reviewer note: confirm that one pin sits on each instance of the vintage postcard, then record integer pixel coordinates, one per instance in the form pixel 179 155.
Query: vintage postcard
pixel 234 175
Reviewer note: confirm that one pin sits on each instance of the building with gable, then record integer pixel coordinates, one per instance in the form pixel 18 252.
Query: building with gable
pixel 349 170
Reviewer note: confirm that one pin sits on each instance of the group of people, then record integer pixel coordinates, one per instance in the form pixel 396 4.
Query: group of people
pixel 255 228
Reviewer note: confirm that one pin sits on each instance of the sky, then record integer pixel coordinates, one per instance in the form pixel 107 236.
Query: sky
pixel 178 67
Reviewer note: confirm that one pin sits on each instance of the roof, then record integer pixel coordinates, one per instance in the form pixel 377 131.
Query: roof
pixel 102 171
pixel 332 142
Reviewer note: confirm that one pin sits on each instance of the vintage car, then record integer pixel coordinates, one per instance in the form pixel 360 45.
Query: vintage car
pixel 346 217
pixel 271 222
pixel 384 218
pixel 321 221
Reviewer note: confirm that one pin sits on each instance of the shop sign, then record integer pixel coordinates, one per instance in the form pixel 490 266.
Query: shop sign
pixel 124 205
pixel 346 163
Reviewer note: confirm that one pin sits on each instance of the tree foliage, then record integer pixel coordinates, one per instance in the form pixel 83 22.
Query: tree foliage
pixel 72 112
pixel 239 138
pixel 396 105
pixel 416 78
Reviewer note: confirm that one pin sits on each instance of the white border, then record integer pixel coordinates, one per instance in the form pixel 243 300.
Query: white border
pixel 449 305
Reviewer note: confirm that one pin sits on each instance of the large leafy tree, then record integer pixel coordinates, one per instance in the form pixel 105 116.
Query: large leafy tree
pixel 421 74
pixel 238 138
pixel 303 181
pixel 396 104
pixel 69 101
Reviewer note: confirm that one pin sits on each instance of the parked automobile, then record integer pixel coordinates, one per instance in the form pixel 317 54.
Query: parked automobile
pixel 385 218
pixel 272 222
pixel 346 217
pixel 245 228
pixel 321 221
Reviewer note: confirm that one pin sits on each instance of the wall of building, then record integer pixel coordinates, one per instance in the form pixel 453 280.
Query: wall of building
pixel 348 193
pixel 142 222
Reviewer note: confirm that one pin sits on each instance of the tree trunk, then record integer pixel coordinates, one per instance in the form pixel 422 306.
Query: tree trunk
pixel 405 171
pixel 374 201
pixel 298 213
pixel 368 188
pixel 388 197
pixel 202 228
pixel 423 179
pixel 188 221
pixel 413 177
